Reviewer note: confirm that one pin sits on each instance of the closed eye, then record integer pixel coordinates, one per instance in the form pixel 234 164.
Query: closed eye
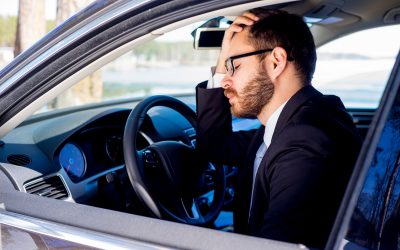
pixel 237 67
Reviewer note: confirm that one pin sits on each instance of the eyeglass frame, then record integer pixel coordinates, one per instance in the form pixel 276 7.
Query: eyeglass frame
pixel 229 60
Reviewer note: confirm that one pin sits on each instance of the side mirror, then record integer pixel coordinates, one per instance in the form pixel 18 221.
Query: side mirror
pixel 208 38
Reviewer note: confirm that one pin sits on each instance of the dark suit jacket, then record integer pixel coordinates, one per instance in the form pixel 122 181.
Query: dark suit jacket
pixel 303 175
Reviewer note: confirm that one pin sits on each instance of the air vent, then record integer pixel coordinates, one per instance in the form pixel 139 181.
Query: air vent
pixel 362 118
pixel 19 160
pixel 52 187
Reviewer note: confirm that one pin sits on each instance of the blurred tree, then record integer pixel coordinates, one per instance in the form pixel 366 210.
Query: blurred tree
pixel 89 89
pixel 31 24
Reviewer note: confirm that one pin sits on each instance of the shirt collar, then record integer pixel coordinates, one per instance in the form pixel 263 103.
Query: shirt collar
pixel 271 124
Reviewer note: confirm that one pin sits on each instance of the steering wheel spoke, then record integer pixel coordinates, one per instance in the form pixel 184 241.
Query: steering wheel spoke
pixel 150 158
pixel 193 212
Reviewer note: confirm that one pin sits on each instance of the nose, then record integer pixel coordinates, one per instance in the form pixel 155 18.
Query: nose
pixel 226 82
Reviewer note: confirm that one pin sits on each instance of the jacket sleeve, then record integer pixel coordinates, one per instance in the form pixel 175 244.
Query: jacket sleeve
pixel 215 138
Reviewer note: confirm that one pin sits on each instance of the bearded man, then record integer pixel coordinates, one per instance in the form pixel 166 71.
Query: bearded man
pixel 294 169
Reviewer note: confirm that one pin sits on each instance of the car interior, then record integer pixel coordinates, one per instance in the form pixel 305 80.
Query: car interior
pixel 78 154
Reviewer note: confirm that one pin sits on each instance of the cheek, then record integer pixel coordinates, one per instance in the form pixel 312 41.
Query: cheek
pixel 243 79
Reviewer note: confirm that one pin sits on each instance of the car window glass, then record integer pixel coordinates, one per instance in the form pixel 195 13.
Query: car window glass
pixel 375 223
pixel 357 67
pixel 167 65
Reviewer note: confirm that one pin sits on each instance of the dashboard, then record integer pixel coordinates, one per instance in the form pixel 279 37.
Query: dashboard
pixel 83 147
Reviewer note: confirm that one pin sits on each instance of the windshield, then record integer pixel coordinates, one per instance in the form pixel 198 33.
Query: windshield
pixel 167 65
pixel 346 67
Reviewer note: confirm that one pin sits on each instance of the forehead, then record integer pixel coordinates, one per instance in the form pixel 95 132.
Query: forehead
pixel 240 44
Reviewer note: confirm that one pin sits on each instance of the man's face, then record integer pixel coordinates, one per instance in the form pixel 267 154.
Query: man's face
pixel 250 88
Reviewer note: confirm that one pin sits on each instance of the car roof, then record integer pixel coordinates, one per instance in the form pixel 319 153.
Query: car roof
pixel 340 17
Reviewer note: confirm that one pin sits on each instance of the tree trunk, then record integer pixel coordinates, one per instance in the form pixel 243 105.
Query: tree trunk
pixel 90 89
pixel 31 24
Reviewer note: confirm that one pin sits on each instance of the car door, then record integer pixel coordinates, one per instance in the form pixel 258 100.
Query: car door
pixel 369 216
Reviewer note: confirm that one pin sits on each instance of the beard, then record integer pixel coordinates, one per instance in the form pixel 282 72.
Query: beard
pixel 255 95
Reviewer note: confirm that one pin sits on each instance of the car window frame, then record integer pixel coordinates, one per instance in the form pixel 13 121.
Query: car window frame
pixel 15 207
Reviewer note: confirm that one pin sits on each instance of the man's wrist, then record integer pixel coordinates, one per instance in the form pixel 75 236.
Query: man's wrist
pixel 220 70
pixel 218 77
pixel 215 79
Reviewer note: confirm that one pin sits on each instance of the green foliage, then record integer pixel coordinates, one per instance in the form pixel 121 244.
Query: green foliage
pixel 50 24
pixel 8 29
pixel 161 51
pixel 179 52
pixel 114 89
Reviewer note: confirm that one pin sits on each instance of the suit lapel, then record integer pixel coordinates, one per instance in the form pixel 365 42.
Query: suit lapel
pixel 245 182
pixel 295 102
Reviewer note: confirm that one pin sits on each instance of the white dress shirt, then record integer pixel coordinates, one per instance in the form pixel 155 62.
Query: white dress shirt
pixel 215 79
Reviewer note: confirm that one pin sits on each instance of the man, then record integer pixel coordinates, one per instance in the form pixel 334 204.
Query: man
pixel 293 169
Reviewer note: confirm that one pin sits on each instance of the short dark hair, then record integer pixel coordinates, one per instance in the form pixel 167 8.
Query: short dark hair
pixel 279 28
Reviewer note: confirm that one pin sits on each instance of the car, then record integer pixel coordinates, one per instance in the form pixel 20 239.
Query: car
pixel 78 167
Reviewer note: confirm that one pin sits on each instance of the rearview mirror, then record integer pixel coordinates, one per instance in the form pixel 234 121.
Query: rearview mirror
pixel 208 38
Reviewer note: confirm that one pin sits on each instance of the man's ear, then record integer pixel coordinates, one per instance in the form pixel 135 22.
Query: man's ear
pixel 278 62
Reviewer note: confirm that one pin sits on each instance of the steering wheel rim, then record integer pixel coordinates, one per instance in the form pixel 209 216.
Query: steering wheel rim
pixel 136 162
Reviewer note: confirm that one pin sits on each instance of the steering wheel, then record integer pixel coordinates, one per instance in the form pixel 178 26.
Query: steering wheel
pixel 170 177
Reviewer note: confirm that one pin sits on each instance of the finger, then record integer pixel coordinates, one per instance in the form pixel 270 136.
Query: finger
pixel 251 16
pixel 243 20
pixel 235 28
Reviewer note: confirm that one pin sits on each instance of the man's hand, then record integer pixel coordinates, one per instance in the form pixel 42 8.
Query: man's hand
pixel 246 19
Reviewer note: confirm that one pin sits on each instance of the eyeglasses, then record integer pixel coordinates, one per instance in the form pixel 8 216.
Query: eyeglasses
pixel 230 67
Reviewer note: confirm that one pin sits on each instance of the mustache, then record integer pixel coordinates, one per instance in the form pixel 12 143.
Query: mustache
pixel 230 91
